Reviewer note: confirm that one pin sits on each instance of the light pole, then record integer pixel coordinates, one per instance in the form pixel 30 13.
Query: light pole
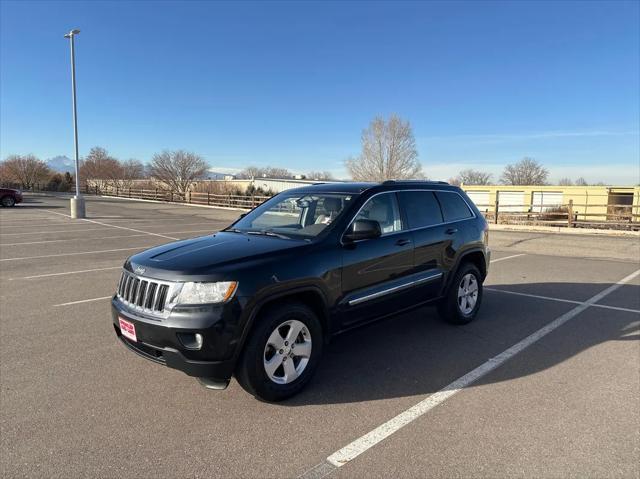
pixel 77 202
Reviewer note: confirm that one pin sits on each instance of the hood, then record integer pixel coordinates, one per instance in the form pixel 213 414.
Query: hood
pixel 204 254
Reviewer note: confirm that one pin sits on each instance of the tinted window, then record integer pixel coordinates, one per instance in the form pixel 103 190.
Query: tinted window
pixel 384 210
pixel 453 206
pixel 421 207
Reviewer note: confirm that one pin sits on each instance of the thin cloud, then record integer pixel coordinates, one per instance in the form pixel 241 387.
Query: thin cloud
pixel 504 137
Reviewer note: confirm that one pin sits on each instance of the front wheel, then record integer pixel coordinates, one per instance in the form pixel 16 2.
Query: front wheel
pixel 463 299
pixel 8 201
pixel 282 352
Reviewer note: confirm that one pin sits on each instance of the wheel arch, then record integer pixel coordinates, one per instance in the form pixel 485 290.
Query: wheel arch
pixel 311 296
pixel 475 256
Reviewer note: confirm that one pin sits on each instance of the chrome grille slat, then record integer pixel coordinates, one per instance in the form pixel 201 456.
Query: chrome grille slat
pixel 143 300
pixel 127 288
pixel 151 295
pixel 144 294
pixel 162 296
pixel 142 289
pixel 133 291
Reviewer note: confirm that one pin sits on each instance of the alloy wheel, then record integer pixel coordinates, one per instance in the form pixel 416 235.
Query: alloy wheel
pixel 287 352
pixel 467 294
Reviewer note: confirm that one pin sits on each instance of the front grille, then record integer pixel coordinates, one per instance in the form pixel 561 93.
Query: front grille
pixel 143 294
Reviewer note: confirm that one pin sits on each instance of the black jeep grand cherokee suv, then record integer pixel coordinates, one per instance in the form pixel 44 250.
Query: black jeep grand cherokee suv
pixel 259 299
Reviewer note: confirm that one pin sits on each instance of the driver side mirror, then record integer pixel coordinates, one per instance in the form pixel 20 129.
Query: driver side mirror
pixel 363 229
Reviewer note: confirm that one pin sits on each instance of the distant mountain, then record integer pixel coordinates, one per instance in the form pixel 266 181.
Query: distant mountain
pixel 215 175
pixel 61 164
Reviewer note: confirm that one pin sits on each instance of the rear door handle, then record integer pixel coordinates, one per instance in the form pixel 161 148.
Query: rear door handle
pixel 451 231
pixel 402 242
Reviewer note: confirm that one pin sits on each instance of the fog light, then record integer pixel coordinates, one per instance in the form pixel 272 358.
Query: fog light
pixel 190 340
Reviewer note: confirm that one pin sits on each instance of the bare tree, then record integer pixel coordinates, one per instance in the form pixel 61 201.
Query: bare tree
pixel 100 168
pixel 130 170
pixel 472 177
pixel 525 172
pixel 581 182
pixel 251 172
pixel 276 172
pixel 26 170
pixel 266 172
pixel 388 152
pixel 178 169
pixel 319 175
pixel 565 182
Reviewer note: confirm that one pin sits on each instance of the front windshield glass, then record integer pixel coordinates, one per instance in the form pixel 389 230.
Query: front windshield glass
pixel 294 216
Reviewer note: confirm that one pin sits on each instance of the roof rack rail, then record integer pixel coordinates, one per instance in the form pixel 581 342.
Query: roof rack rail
pixel 390 182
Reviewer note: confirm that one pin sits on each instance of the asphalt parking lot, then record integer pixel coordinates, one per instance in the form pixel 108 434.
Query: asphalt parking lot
pixel 555 357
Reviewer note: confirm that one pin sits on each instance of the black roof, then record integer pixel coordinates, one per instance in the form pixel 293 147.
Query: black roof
pixel 359 187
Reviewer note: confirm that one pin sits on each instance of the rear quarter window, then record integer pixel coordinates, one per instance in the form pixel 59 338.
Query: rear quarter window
pixel 454 208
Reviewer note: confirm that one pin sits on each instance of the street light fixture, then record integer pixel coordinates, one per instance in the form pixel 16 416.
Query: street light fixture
pixel 77 202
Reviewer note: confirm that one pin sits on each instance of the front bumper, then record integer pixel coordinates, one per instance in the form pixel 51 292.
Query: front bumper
pixel 161 341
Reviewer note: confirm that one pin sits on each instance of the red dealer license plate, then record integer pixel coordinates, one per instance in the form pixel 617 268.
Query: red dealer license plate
pixel 128 329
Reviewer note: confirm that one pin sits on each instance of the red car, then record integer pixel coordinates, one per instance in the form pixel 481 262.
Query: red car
pixel 10 197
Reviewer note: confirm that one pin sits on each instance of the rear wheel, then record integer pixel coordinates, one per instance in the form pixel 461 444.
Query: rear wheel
pixel 8 201
pixel 462 302
pixel 282 352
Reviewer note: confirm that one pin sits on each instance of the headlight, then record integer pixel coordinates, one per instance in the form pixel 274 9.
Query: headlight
pixel 206 293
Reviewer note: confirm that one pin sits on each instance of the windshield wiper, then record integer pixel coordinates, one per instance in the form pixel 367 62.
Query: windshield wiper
pixel 268 233
pixel 233 230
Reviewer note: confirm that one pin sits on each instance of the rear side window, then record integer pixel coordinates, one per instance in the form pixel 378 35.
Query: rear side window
pixel 421 207
pixel 453 206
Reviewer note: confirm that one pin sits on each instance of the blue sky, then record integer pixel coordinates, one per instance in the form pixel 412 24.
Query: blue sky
pixel 293 84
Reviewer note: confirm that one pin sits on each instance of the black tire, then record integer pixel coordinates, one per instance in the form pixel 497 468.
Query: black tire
pixel 251 373
pixel 8 201
pixel 449 308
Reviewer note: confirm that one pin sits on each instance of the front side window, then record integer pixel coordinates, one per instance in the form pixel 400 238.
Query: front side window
pixel 421 207
pixel 294 216
pixel 383 209
pixel 454 208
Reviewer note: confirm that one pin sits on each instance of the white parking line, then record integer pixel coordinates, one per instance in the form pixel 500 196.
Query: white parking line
pixel 47 221
pixel 82 301
pixel 57 213
pixel 71 239
pixel 507 257
pixel 52 232
pixel 366 442
pixel 115 226
pixel 30 217
pixel 100 238
pixel 74 254
pixel 48 275
pixel 561 300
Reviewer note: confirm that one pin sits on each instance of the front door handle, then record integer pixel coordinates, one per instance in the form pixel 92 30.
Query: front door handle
pixel 451 231
pixel 403 242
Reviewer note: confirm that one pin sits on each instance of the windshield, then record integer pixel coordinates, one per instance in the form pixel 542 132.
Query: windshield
pixel 294 216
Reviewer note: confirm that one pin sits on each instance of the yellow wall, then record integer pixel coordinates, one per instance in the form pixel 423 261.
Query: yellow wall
pixel 591 200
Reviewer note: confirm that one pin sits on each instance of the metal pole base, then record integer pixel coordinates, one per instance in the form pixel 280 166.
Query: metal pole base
pixel 77 207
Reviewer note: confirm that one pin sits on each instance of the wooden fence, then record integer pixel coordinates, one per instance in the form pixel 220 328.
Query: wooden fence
pixel 570 215
pixel 578 214
pixel 245 202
